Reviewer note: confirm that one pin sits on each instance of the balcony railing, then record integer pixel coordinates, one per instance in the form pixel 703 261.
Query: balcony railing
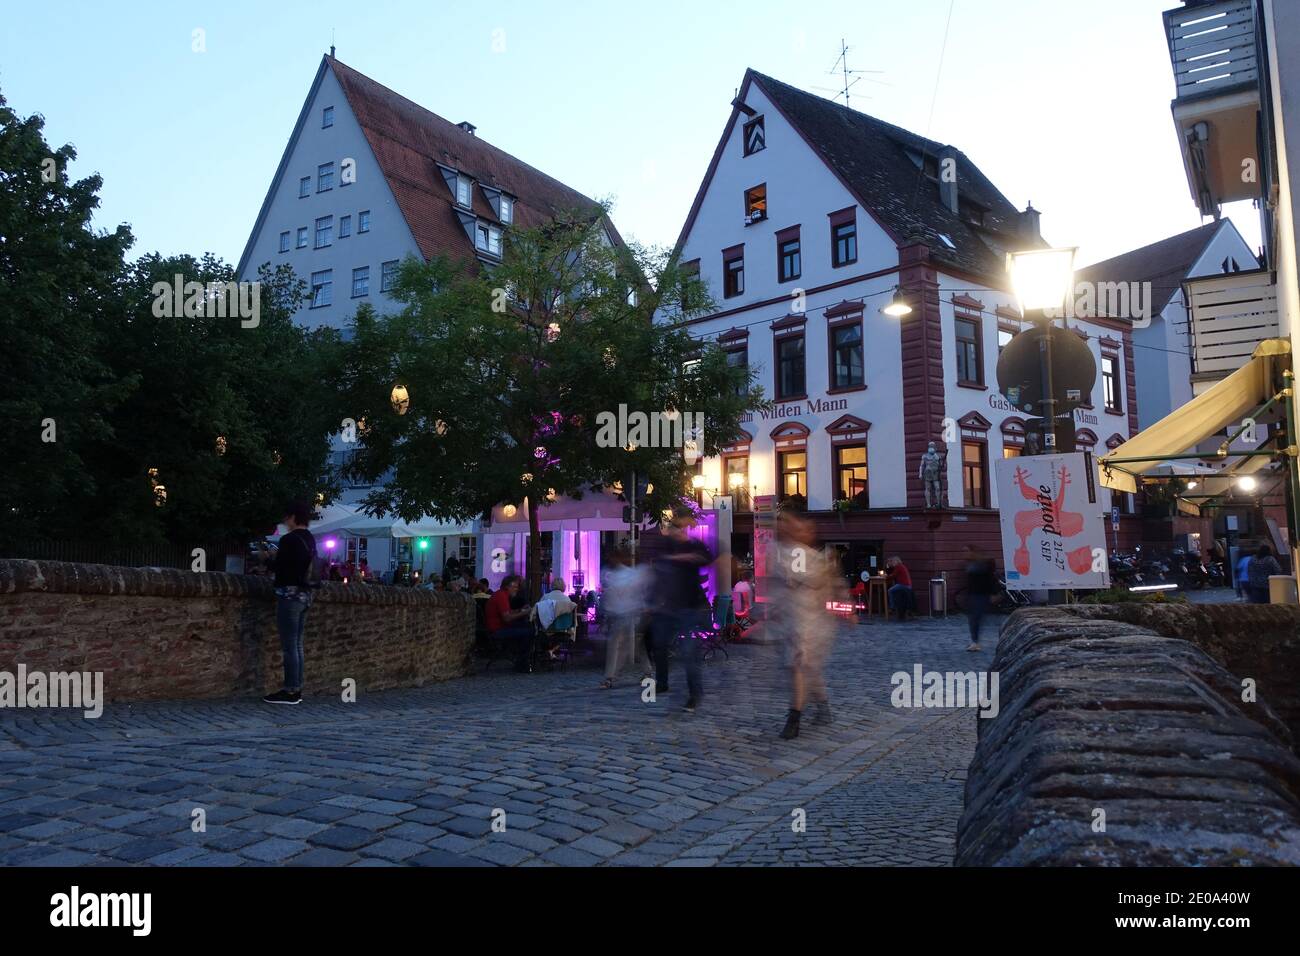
pixel 1229 315
pixel 1212 46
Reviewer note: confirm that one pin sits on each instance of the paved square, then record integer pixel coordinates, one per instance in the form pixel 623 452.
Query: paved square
pixel 583 775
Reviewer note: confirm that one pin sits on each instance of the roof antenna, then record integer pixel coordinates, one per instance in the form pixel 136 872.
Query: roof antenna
pixel 842 64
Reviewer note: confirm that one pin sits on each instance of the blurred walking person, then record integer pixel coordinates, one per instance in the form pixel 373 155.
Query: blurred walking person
pixel 680 605
pixel 1258 570
pixel 805 583
pixel 981 585
pixel 622 604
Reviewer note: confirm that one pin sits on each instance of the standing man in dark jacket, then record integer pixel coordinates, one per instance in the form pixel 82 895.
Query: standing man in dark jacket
pixel 294 589
pixel 981 585
pixel 680 605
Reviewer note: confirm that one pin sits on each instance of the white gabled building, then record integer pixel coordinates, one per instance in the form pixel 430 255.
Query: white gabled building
pixel 808 218
pixel 368 178
pixel 1165 346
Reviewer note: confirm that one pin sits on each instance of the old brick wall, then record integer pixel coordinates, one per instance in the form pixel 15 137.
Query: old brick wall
pixel 167 635
pixel 1106 717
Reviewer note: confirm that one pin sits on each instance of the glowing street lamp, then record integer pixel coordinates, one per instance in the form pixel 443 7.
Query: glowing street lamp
pixel 1042 279
pixel 897 306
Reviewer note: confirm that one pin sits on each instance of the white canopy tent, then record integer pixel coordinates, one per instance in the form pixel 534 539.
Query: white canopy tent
pixel 358 524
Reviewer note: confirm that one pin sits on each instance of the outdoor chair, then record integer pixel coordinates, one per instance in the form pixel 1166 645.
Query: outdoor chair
pixel 564 630
pixel 714 636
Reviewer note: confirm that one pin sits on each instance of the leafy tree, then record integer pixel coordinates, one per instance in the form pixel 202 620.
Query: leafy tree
pixel 508 370
pixel 58 279
pixel 89 362
pixel 234 412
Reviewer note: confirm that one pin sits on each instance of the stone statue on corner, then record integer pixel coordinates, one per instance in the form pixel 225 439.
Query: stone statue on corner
pixel 931 473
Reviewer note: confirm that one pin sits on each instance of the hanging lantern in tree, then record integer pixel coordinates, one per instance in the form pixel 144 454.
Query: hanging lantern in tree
pixel 159 489
pixel 509 511
pixel 400 399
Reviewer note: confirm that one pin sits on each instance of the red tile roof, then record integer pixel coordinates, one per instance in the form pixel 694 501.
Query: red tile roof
pixel 409 141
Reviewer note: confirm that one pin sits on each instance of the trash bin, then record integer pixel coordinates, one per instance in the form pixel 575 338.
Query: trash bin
pixel 939 596
pixel 1282 589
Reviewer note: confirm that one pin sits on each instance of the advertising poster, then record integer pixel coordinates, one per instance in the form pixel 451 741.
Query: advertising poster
pixel 1053 530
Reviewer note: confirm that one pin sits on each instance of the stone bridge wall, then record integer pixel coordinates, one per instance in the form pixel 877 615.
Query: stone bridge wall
pixel 1101 715
pixel 161 634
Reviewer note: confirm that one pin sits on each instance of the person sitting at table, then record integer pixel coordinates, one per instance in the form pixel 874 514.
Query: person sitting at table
pixel 552 606
pixel 742 599
pixel 901 598
pixel 509 624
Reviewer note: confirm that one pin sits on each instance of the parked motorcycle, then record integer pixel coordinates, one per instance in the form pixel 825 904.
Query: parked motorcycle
pixel 1124 570
pixel 1217 574
pixel 1188 569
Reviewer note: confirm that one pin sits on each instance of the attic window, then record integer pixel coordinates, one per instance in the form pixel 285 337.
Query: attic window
pixel 972 213
pixel 1230 265
pixel 756 204
pixel 755 136
pixel 947 241
pixel 488 239
pixel 462 191
pixel 327 117
pixel 507 209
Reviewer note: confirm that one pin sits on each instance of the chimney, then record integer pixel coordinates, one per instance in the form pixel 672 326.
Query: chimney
pixel 1029 225
pixel 467 126
pixel 948 178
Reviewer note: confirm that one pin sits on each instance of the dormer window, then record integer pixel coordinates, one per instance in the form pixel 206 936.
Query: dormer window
pixel 463 191
pixel 488 239
pixel 507 210
pixel 756 204
pixel 755 136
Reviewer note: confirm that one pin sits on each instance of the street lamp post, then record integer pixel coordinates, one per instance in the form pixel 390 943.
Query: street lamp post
pixel 1043 280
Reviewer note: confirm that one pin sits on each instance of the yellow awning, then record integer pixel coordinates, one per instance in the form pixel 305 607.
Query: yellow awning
pixel 1223 405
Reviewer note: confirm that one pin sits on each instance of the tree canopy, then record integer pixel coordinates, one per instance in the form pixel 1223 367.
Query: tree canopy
pixel 507 372
pixel 108 396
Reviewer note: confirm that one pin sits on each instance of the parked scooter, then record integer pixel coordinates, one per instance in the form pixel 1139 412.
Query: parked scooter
pixel 1189 570
pixel 1217 574
pixel 1124 571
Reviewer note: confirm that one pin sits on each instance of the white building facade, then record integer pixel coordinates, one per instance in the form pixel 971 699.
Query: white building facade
pixel 369 178
pixel 808 219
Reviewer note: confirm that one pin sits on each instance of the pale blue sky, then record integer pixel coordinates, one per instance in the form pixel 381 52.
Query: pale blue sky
pixel 1061 103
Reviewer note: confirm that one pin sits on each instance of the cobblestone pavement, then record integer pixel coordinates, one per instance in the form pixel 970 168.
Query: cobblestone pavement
pixel 583 775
